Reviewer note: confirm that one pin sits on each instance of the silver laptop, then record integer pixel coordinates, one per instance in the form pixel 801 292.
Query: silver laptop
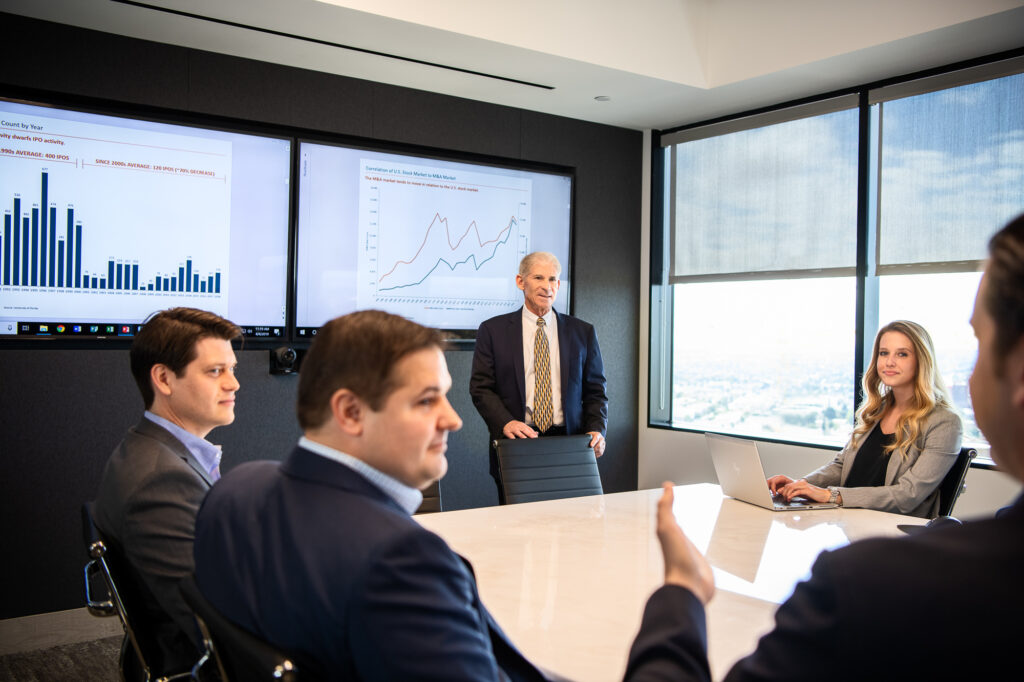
pixel 741 475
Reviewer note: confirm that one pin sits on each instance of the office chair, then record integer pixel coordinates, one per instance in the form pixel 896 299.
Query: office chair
pixel 552 468
pixel 241 656
pixel 139 650
pixel 954 482
pixel 431 499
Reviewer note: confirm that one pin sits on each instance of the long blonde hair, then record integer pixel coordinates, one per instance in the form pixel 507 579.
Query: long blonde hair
pixel 929 390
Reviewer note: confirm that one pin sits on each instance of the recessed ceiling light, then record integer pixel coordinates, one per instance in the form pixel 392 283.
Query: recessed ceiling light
pixel 602 98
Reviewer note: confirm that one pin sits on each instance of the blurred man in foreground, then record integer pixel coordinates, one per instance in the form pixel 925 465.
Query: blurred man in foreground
pixel 938 605
pixel 319 554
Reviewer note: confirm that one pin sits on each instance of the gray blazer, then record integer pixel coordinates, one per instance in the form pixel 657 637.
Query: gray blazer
pixel 147 503
pixel 911 482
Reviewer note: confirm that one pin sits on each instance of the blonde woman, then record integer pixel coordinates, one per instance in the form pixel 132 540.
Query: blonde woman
pixel 906 438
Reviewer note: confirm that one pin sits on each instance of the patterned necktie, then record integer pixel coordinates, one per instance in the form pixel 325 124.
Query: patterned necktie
pixel 542 379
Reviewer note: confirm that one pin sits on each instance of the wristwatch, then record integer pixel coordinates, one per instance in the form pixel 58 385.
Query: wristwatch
pixel 833 496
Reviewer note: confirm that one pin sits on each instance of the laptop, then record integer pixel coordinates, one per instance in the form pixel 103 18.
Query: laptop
pixel 741 475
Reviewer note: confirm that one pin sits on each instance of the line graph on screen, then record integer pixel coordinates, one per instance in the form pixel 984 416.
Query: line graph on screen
pixel 436 253
pixel 439 237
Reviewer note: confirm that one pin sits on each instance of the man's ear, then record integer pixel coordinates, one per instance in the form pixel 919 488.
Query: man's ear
pixel 520 282
pixel 160 379
pixel 348 411
pixel 1015 372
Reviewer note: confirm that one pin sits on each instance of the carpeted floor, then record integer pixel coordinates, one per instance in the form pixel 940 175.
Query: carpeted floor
pixel 94 661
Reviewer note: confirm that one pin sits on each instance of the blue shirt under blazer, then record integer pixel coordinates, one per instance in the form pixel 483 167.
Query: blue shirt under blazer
pixel 498 380
pixel 314 558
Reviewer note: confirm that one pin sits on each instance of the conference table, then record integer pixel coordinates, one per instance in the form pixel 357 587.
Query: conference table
pixel 568 579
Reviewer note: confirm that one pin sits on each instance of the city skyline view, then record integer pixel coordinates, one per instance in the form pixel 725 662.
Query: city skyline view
pixel 775 361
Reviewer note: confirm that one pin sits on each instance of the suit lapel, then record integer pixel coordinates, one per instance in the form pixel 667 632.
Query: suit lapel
pixel 892 468
pixel 564 351
pixel 307 465
pixel 157 432
pixel 510 660
pixel 515 333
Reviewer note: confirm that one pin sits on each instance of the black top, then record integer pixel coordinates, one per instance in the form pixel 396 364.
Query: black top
pixel 868 468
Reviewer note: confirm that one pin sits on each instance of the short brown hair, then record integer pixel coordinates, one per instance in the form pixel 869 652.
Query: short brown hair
pixel 169 338
pixel 357 351
pixel 1004 298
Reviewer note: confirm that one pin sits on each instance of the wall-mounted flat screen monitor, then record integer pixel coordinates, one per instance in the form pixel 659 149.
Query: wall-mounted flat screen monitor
pixel 107 219
pixel 435 240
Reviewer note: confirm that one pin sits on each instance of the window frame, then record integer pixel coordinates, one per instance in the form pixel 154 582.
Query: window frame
pixel 866 270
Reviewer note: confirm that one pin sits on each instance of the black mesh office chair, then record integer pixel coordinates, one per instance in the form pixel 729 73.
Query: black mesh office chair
pixel 431 499
pixel 553 468
pixel 139 650
pixel 954 482
pixel 241 656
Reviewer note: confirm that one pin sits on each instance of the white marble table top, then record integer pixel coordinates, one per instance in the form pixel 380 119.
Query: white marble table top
pixel 568 579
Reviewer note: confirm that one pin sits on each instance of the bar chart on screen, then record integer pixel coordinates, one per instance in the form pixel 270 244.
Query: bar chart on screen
pixel 440 237
pixel 92 212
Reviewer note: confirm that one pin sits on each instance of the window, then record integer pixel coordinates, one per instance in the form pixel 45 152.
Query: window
pixel 763 368
pixel 942 304
pixel 952 172
pixel 775 280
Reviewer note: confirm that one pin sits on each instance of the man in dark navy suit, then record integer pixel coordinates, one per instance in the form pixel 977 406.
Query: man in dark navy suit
pixel 538 372
pixel 938 605
pixel 320 556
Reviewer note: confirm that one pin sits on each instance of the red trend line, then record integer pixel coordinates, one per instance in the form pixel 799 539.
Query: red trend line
pixel 448 237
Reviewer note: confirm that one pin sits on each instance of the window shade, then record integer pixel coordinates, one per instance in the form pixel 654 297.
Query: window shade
pixel 952 173
pixel 770 201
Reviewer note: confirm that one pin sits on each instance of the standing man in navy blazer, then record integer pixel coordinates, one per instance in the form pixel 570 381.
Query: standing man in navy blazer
pixel 887 608
pixel 503 383
pixel 157 477
pixel 320 555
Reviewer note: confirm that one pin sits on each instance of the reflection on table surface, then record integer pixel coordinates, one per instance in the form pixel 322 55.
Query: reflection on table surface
pixel 568 579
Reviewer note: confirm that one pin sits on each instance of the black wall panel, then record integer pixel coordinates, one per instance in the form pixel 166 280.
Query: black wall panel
pixel 429 119
pixel 46 56
pixel 63 411
pixel 239 88
pixel 606 257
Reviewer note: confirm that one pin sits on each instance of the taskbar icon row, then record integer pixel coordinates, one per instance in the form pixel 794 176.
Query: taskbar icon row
pixel 82 329
pixel 118 329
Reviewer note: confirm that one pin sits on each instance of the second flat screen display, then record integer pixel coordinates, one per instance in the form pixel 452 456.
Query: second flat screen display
pixel 436 241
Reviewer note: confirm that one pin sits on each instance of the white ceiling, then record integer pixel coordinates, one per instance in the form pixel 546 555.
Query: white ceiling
pixel 662 63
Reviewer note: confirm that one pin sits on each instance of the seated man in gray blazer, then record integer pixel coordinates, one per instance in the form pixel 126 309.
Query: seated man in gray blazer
pixel 157 477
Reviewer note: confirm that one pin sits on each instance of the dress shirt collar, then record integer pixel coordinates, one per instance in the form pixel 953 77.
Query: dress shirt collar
pixel 206 453
pixel 530 320
pixel 407 498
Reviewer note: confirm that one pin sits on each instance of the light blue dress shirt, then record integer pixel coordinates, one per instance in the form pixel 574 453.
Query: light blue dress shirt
pixel 206 453
pixel 407 498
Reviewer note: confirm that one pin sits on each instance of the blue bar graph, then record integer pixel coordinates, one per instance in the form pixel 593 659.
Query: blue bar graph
pixel 34 253
pixel 69 243
pixel 53 245
pixel 16 242
pixel 25 235
pixel 7 250
pixel 44 183
pixel 78 256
